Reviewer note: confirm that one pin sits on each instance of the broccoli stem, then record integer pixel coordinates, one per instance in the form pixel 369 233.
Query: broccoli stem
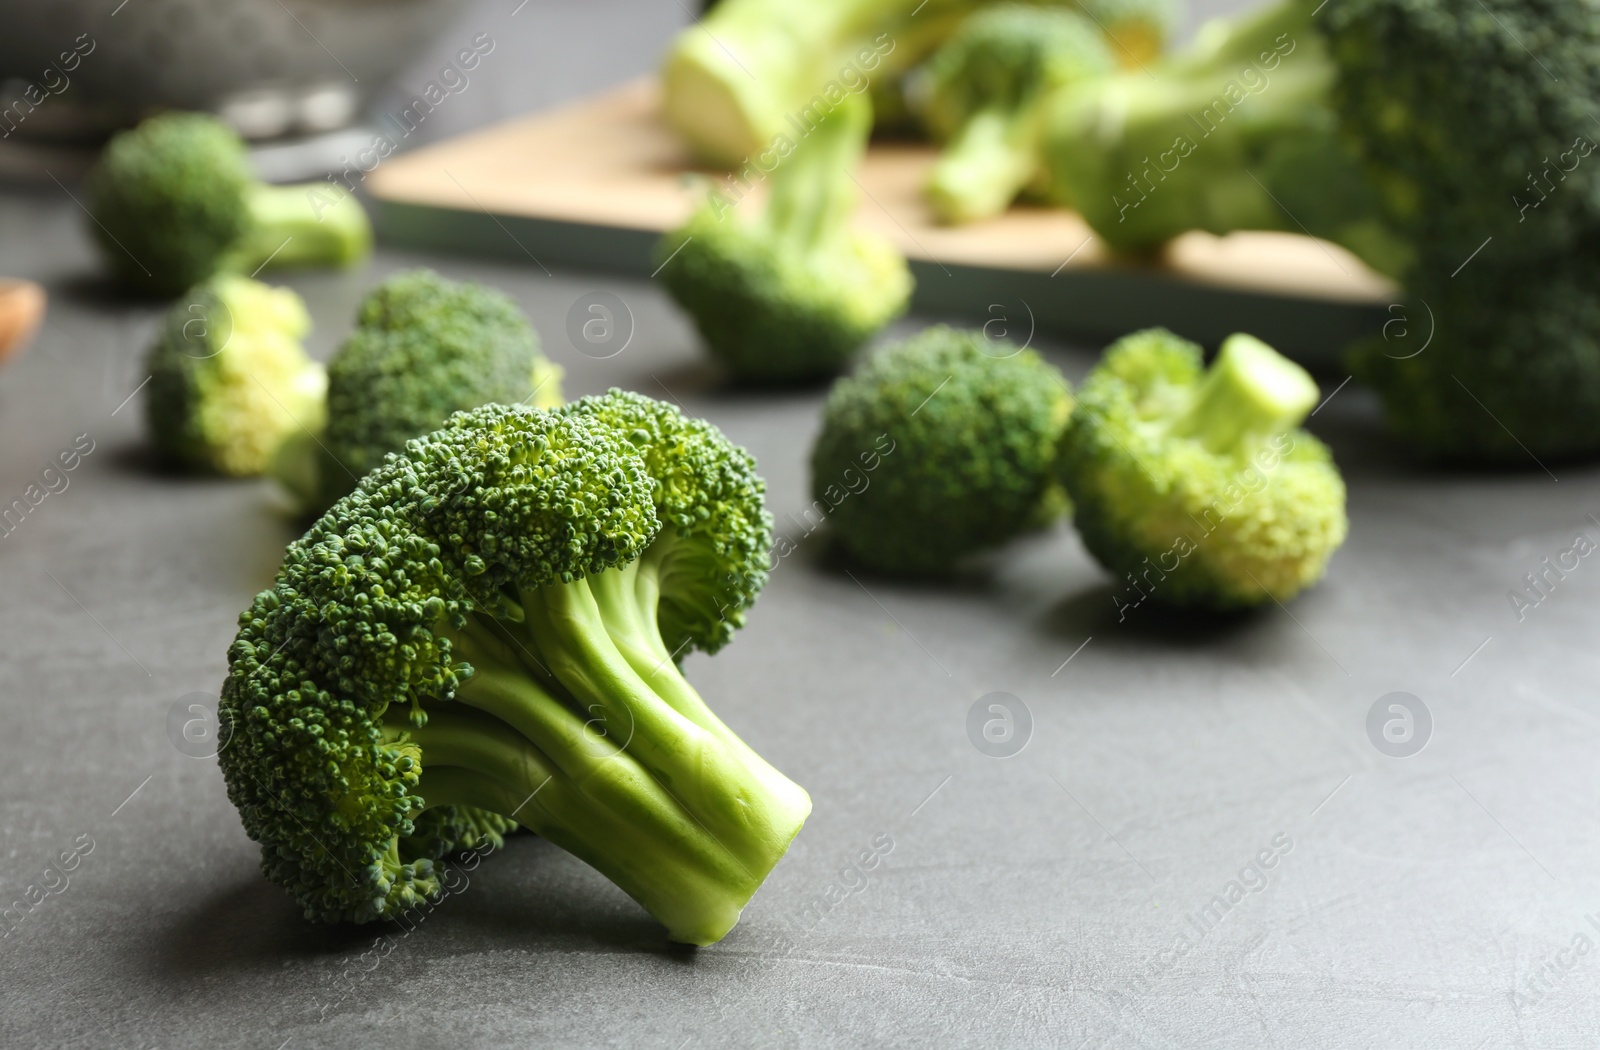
pixel 1250 393
pixel 291 229
pixel 663 799
pixel 982 169
pixel 813 194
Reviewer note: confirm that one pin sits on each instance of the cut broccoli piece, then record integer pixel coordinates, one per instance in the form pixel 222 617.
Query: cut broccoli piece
pixel 229 380
pixel 1195 485
pixel 493 621
pixel 790 294
pixel 952 437
pixel 1236 133
pixel 174 200
pixel 988 89
pixel 423 347
pixel 1137 30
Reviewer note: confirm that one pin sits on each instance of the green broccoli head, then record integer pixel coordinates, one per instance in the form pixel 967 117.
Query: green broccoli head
pixel 424 347
pixel 1495 365
pixel 229 380
pixel 791 294
pixel 488 628
pixel 174 200
pixel 1505 159
pixel 1196 486
pixel 988 90
pixel 957 435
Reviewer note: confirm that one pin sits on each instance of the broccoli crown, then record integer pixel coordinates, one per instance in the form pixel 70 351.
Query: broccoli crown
pixel 792 294
pixel 1496 365
pixel 424 347
pixel 1196 486
pixel 229 380
pixel 438 650
pixel 169 199
pixel 1504 159
pixel 988 90
pixel 956 434
pixel 1005 56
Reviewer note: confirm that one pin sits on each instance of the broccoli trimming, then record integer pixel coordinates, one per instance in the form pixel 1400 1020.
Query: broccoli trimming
pixel 424 347
pixel 1196 486
pixel 988 92
pixel 971 427
pixel 174 200
pixel 488 630
pixel 790 293
pixel 229 380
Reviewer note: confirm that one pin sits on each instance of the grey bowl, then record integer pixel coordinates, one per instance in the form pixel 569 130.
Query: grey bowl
pixel 272 67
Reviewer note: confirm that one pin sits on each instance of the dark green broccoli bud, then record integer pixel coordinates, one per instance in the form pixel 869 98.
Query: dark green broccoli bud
pixel 423 347
pixel 792 293
pixel 958 434
pixel 491 624
pixel 1236 133
pixel 1505 159
pixel 987 93
pixel 1495 365
pixel 229 380
pixel 1196 486
pixel 174 201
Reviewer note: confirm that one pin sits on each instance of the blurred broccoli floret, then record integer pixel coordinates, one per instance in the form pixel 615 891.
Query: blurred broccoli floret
pixel 1138 30
pixel 1196 485
pixel 424 347
pixel 1495 365
pixel 951 438
pixel 791 293
pixel 229 380
pixel 174 201
pixel 987 94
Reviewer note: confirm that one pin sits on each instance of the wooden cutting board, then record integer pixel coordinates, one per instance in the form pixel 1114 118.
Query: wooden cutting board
pixel 594 184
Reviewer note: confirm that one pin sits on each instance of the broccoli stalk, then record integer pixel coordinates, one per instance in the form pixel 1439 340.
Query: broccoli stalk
pixel 791 293
pixel 486 631
pixel 989 86
pixel 1194 486
pixel 174 200
pixel 1249 394
pixel 1238 133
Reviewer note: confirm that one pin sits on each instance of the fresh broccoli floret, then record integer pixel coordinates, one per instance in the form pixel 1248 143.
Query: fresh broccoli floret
pixel 735 83
pixel 174 200
pixel 791 293
pixel 1195 485
pixel 229 380
pixel 1495 366
pixel 987 95
pixel 423 347
pixel 494 621
pixel 951 437
pixel 1236 133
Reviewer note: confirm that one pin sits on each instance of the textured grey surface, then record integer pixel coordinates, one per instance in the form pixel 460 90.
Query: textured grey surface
pixel 1030 901
pixel 1024 901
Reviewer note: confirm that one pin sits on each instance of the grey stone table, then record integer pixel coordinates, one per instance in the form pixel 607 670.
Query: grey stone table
pixel 1201 844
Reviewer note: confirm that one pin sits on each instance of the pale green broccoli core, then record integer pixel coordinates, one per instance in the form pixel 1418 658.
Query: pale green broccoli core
pixel 1249 393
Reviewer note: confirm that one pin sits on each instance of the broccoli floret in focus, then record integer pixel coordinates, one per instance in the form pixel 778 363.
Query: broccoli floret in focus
pixel 229 380
pixel 423 347
pixel 1195 484
pixel 789 294
pixel 174 200
pixel 491 624
pixel 988 89
pixel 958 432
